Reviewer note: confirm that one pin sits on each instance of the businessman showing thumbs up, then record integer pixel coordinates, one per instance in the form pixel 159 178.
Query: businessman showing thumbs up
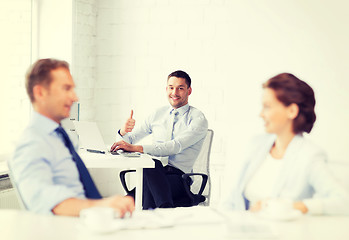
pixel 178 133
pixel 129 125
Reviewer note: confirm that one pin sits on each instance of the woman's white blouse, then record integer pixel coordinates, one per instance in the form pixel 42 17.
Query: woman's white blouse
pixel 261 184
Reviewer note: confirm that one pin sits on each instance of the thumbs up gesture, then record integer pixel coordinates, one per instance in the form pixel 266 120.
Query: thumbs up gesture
pixel 129 125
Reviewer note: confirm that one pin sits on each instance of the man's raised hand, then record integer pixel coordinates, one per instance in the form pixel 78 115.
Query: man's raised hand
pixel 129 125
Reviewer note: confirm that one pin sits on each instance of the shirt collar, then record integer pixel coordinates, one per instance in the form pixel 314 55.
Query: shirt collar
pixel 43 123
pixel 181 110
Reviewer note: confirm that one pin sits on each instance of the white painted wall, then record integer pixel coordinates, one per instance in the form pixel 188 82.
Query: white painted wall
pixel 122 51
pixel 229 48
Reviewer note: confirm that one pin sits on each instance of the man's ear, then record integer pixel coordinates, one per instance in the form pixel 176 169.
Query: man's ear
pixel 293 111
pixel 190 90
pixel 39 92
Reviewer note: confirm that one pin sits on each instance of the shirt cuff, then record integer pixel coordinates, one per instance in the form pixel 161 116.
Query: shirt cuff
pixel 148 149
pixel 55 196
pixel 119 133
pixel 119 136
pixel 315 206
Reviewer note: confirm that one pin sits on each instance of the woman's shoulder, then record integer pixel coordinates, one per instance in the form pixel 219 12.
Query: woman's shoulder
pixel 311 147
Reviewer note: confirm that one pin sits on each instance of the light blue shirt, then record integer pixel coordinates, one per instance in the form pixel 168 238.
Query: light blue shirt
pixel 42 167
pixel 304 176
pixel 189 133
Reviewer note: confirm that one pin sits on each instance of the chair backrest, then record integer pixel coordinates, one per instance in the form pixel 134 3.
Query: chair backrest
pixel 14 185
pixel 202 165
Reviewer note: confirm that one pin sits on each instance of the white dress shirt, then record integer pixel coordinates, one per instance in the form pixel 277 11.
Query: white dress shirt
pixel 262 182
pixel 189 132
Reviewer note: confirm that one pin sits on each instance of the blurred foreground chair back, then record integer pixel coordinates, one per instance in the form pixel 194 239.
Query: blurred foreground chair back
pixel 14 185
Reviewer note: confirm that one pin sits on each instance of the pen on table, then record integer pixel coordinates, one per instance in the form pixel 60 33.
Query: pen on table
pixel 95 151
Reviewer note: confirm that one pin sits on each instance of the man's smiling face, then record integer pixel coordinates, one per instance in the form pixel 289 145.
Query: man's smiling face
pixel 177 92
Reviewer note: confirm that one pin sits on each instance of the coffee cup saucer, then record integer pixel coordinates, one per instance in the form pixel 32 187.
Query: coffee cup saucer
pixel 292 214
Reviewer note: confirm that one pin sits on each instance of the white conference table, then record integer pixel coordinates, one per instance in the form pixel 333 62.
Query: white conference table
pixel 98 160
pixel 188 223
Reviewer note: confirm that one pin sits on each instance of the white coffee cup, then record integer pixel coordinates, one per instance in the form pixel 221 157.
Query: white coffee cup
pixel 98 218
pixel 277 206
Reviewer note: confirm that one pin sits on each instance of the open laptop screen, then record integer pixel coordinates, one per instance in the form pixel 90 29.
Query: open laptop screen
pixel 89 136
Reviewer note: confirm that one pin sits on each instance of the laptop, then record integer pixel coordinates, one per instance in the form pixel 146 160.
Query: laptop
pixel 91 139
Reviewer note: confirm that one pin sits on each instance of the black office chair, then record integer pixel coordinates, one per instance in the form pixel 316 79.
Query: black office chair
pixel 197 190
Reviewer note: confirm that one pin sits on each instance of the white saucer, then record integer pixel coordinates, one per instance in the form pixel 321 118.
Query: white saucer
pixel 290 215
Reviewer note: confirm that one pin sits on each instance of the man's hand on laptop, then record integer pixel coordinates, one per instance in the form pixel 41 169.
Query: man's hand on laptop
pixel 126 147
pixel 129 125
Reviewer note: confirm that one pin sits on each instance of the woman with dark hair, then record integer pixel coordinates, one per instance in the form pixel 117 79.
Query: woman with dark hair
pixel 284 164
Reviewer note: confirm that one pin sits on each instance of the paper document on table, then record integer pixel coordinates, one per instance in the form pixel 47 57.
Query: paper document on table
pixel 191 215
pixel 146 220
pixel 246 225
pixel 139 220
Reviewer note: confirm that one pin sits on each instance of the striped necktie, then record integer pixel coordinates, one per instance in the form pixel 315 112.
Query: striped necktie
pixel 90 188
pixel 173 120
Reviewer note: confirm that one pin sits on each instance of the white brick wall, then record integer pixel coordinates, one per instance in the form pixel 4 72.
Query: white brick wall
pixel 124 49
pixel 85 62
pixel 228 48
pixel 15 48
pixel 84 71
